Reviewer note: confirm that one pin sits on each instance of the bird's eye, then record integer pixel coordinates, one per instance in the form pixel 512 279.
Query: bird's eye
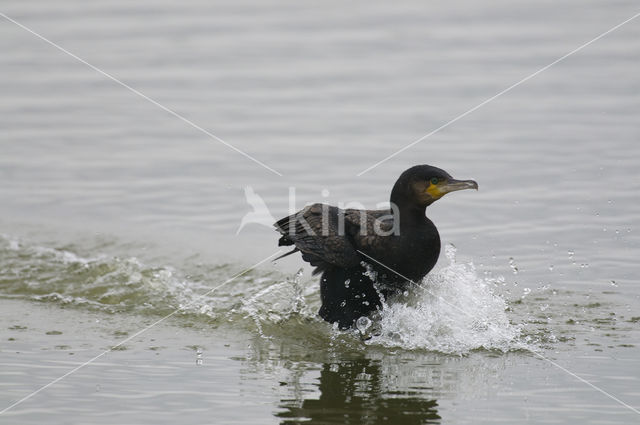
pixel 434 180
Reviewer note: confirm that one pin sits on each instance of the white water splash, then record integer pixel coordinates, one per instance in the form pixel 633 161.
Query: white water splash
pixel 276 302
pixel 453 310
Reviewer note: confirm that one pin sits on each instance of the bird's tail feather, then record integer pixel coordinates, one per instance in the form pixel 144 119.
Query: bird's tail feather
pixel 294 250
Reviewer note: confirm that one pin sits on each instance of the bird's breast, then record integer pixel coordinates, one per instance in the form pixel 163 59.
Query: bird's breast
pixel 403 257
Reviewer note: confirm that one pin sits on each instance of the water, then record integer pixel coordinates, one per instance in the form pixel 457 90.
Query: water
pixel 115 214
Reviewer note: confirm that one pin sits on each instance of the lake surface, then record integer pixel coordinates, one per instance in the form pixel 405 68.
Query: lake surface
pixel 118 217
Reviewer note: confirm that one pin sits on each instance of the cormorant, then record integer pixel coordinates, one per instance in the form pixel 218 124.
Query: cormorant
pixel 353 248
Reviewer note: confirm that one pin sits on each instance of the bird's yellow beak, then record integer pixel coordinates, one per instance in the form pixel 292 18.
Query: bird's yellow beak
pixel 438 190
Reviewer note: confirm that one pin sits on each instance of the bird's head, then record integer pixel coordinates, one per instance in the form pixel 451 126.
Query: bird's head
pixel 422 185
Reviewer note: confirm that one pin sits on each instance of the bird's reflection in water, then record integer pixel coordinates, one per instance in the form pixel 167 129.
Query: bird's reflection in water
pixel 354 392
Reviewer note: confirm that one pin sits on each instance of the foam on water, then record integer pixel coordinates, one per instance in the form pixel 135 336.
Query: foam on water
pixel 111 284
pixel 453 310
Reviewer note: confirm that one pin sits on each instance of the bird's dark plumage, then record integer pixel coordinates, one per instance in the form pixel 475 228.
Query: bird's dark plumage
pixel 397 244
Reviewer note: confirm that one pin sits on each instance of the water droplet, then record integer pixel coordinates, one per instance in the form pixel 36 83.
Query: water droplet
pixel 347 282
pixel 614 284
pixel 206 309
pixel 551 267
pixel 450 252
pixel 198 356
pixel 363 324
pixel 325 193
pixel 525 292
pixel 513 266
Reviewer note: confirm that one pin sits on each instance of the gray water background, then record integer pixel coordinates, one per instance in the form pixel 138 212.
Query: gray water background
pixel 320 92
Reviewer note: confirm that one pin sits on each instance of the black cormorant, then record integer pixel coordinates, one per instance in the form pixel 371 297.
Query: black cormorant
pixel 352 248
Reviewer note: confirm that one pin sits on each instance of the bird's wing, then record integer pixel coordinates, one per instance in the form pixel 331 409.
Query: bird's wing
pixel 370 228
pixel 323 234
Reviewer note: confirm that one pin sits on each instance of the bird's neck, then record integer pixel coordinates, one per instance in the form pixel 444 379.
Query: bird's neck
pixel 404 204
pixel 410 214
